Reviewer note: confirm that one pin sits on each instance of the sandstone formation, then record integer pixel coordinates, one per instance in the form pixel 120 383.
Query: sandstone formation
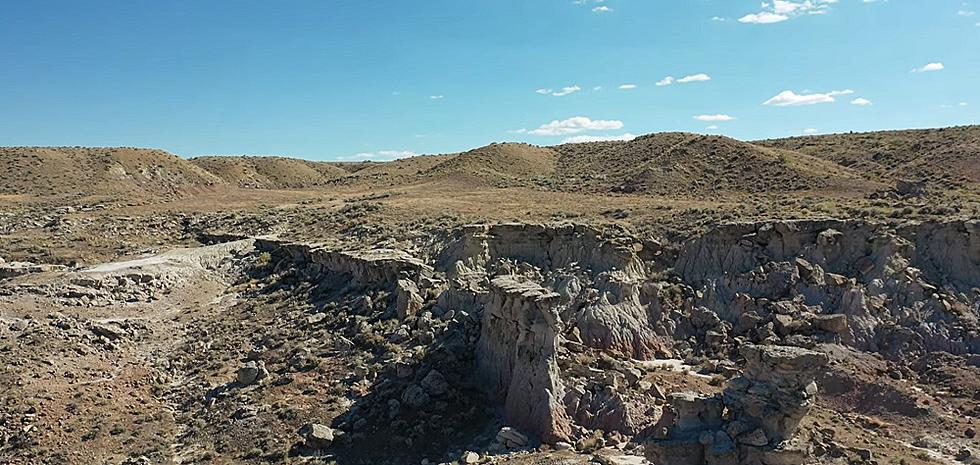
pixel 753 421
pixel 513 337
pixel 546 299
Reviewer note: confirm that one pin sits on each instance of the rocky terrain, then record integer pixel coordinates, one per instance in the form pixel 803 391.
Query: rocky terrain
pixel 676 299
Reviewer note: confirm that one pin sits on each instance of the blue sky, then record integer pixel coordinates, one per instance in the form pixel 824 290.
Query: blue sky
pixel 373 79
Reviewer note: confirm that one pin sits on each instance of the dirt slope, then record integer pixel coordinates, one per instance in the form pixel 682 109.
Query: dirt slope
pixel 75 171
pixel 270 172
pixel 499 164
pixel 945 156
pixel 679 163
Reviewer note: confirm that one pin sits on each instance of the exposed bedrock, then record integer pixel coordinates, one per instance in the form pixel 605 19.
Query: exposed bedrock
pixel 545 247
pixel 598 276
pixel 405 280
pixel 900 289
pixel 564 314
pixel 753 422
pixel 516 357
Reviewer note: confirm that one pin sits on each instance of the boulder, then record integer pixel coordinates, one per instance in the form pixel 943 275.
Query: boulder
pixel 251 372
pixel 317 436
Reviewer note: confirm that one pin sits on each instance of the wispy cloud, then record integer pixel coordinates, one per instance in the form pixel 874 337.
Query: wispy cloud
pixel 788 98
pixel 381 155
pixel 861 102
pixel 572 125
pixel 435 97
pixel 714 117
pixel 937 66
pixel 811 130
pixel 581 139
pixel 627 87
pixel 560 92
pixel 781 10
pixel 598 8
pixel 699 77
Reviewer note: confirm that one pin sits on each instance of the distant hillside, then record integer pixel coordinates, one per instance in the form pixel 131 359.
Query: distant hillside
pixel 671 164
pixel 681 163
pixel 52 171
pixel 270 172
pixel 945 156
pixel 499 164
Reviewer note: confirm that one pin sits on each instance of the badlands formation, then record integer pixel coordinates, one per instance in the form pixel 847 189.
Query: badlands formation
pixel 677 299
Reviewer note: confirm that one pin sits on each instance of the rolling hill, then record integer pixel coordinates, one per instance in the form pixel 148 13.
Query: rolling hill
pixel 671 164
pixel 270 172
pixel 942 156
pixel 78 171
pixel 681 163
pixel 498 164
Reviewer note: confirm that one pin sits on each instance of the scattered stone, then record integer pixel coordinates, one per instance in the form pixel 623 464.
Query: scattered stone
pixel 470 457
pixel 511 438
pixel 317 436
pixel 252 372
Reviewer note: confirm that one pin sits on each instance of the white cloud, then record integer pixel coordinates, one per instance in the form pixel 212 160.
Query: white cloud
pixel 435 97
pixel 966 13
pixel 719 19
pixel 559 93
pixel 627 87
pixel 581 139
pixel 778 11
pixel 714 118
pixel 572 126
pixel 809 131
pixel 963 104
pixel 938 66
pixel 788 98
pixel 381 155
pixel 762 18
pixel 602 9
pixel 861 101
pixel 712 127
pixel 700 77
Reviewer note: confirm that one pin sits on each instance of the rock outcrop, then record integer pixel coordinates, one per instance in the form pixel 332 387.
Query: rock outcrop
pixel 753 421
pixel 402 277
pixel 892 290
pixel 516 357
pixel 14 269
pixel 549 322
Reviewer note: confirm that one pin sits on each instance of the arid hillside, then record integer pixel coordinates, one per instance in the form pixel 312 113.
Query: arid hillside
pixel 270 172
pixel 682 163
pixel 679 165
pixel 79 172
pixel 943 156
pixel 499 164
